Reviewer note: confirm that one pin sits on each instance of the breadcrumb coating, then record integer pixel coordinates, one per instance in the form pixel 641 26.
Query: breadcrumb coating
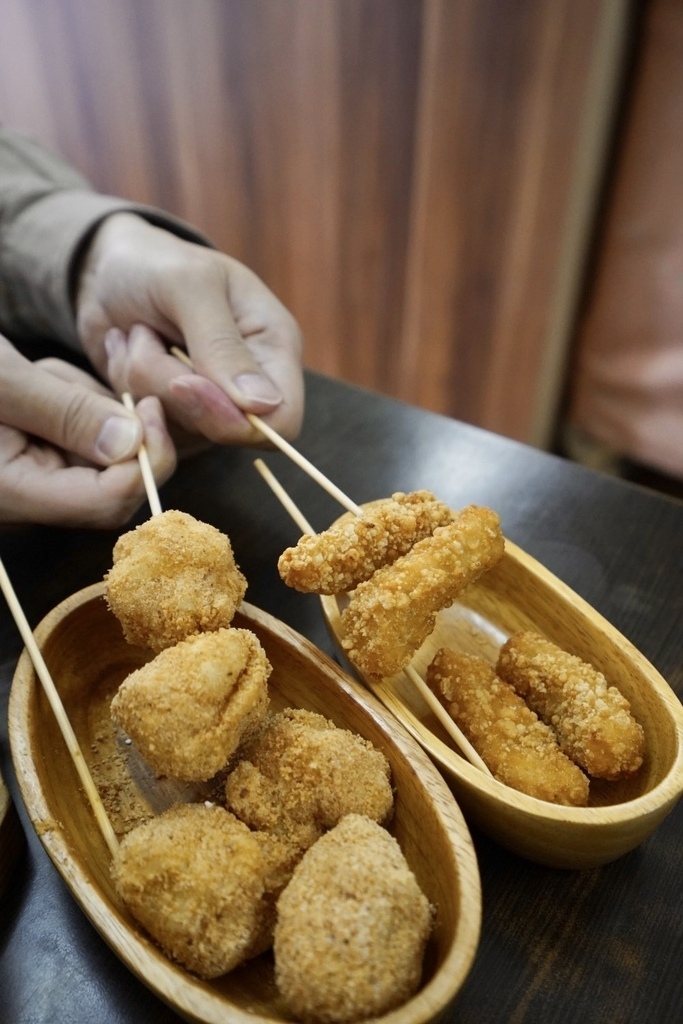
pixel 189 708
pixel 390 615
pixel 302 774
pixel 592 720
pixel 352 926
pixel 519 749
pixel 195 877
pixel 349 552
pixel 173 576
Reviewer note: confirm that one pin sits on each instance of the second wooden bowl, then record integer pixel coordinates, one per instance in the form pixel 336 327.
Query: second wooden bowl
pixel 87 656
pixel 520 594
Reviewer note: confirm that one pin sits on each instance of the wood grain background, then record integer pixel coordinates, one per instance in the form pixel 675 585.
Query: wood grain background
pixel 416 179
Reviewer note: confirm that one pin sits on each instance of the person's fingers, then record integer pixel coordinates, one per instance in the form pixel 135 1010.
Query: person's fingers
pixel 142 365
pixel 73 375
pixel 200 306
pixel 69 414
pixel 38 486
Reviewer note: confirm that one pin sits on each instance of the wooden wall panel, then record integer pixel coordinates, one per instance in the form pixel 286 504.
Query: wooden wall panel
pixel 400 172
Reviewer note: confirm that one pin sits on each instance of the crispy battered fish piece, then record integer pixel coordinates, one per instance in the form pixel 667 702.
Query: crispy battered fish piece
pixel 520 750
pixel 352 926
pixel 592 721
pixel 173 576
pixel 196 878
pixel 390 616
pixel 189 708
pixel 349 552
pixel 302 774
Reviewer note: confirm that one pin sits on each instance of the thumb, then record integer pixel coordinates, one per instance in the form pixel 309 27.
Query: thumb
pixel 69 411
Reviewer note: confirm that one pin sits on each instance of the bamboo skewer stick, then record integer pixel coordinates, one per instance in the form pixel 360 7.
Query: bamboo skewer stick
pixel 60 714
pixel 287 448
pixel 145 467
pixel 433 702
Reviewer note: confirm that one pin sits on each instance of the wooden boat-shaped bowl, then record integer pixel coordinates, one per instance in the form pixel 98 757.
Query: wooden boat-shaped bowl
pixel 519 593
pixel 87 656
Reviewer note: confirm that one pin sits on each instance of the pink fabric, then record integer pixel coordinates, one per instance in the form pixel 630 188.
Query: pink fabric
pixel 628 387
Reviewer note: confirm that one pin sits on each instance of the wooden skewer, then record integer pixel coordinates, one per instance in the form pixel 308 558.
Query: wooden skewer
pixel 416 679
pixel 275 485
pixel 287 448
pixel 59 711
pixel 145 466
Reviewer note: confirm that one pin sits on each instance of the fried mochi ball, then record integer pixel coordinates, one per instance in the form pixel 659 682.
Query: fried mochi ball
pixel 171 577
pixel 352 925
pixel 189 708
pixel 197 880
pixel 301 774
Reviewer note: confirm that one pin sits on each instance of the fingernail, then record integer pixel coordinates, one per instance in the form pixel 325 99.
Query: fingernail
pixel 183 390
pixel 114 342
pixel 119 438
pixel 254 386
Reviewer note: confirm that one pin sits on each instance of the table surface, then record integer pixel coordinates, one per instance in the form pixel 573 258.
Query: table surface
pixel 600 945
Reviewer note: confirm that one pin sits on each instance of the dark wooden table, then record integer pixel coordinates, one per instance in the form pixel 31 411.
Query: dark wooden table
pixel 603 945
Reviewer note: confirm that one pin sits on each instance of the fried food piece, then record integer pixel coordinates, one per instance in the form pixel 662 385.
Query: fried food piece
pixel 519 749
pixel 302 774
pixel 340 558
pixel 592 720
pixel 189 708
pixel 173 576
pixel 352 926
pixel 390 615
pixel 195 877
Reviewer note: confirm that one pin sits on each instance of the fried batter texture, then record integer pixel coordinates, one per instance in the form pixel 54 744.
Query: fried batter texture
pixel 349 552
pixel 390 615
pixel 196 878
pixel 352 927
pixel 189 708
pixel 173 576
pixel 519 749
pixel 302 774
pixel 592 720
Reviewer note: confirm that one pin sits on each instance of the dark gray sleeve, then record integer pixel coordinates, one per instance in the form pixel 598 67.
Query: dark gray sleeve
pixel 48 213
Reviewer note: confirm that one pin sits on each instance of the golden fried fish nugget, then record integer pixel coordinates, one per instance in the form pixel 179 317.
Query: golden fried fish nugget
pixel 196 879
pixel 592 720
pixel 352 926
pixel 390 616
pixel 189 708
pixel 173 576
pixel 349 552
pixel 517 747
pixel 301 774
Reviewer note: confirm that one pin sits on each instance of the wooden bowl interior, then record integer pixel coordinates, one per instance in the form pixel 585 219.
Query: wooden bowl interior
pixel 88 658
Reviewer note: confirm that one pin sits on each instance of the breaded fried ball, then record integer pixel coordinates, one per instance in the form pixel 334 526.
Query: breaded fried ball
pixel 302 774
pixel 173 576
pixel 189 708
pixel 352 926
pixel 195 878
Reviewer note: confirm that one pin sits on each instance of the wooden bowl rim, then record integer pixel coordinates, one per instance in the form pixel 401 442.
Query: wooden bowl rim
pixel 186 994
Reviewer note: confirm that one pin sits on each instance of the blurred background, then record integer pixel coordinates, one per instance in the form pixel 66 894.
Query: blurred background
pixel 435 188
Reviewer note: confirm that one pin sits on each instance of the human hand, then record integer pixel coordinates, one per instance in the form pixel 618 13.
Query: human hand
pixel 67 447
pixel 244 345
